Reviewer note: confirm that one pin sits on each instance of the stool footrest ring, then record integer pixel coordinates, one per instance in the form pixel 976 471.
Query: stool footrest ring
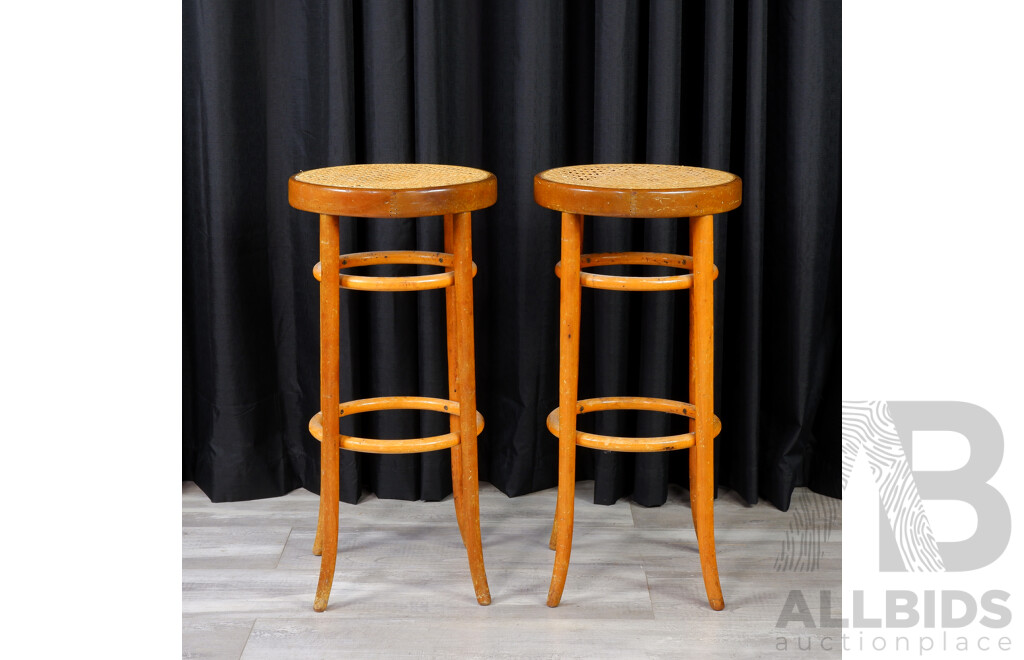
pixel 395 258
pixel 630 283
pixel 410 446
pixel 613 443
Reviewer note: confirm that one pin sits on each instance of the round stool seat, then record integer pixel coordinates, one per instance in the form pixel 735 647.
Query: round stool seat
pixel 637 190
pixel 400 190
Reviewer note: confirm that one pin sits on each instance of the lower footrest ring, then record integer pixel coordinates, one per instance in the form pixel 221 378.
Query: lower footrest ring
pixel 613 443
pixel 409 446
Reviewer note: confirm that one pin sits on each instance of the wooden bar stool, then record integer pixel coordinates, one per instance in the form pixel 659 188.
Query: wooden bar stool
pixel 638 191
pixel 398 191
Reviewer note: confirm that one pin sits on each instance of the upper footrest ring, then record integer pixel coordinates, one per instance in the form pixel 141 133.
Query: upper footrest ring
pixel 624 283
pixel 395 258
pixel 410 446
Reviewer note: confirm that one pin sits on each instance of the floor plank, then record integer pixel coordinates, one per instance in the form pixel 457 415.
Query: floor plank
pixel 402 584
pixel 598 591
pixel 257 546
pixel 210 638
pixel 522 638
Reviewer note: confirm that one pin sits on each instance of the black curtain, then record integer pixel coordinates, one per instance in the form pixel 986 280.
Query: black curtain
pixel 272 88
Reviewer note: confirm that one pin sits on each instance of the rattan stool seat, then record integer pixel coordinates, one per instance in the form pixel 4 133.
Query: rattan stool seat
pixel 395 190
pixel 639 190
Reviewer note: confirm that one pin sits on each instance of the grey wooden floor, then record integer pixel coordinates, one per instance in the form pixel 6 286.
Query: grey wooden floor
pixel 402 584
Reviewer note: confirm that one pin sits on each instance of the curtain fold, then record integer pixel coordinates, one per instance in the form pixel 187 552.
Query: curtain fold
pixel 273 88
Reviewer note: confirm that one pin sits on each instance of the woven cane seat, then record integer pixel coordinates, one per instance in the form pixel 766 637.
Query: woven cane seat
pixel 396 190
pixel 637 190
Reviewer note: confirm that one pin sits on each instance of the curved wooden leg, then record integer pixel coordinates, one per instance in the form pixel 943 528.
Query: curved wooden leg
pixel 318 541
pixel 460 515
pixel 553 542
pixel 453 378
pixel 694 490
pixel 327 525
pixel 693 398
pixel 466 364
pixel 702 361
pixel 568 376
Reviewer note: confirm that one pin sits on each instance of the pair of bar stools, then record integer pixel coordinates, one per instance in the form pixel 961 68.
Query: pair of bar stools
pixel 413 190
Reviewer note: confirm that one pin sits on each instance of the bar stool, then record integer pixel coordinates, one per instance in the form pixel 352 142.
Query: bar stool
pixel 398 191
pixel 638 191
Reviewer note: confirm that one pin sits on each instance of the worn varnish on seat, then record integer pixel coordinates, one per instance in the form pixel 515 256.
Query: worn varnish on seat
pixel 638 190
pixel 401 190
pixel 398 191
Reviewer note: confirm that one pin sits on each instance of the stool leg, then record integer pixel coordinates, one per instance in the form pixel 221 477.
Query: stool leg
pixel 463 235
pixel 691 453
pixel 318 540
pixel 568 376
pixel 327 526
pixel 318 543
pixel 702 362
pixel 453 377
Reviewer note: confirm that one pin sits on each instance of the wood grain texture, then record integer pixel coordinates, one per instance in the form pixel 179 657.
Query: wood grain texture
pixel 298 509
pixel 466 367
pixel 631 282
pixel 398 190
pixel 702 363
pixel 233 547
pixel 210 638
pixel 568 380
pixel 404 190
pixel 452 346
pixel 401 588
pixel 394 258
pixel 736 517
pixel 520 639
pixel 407 446
pixel 614 443
pixel 326 543
pixel 646 191
pixel 637 190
